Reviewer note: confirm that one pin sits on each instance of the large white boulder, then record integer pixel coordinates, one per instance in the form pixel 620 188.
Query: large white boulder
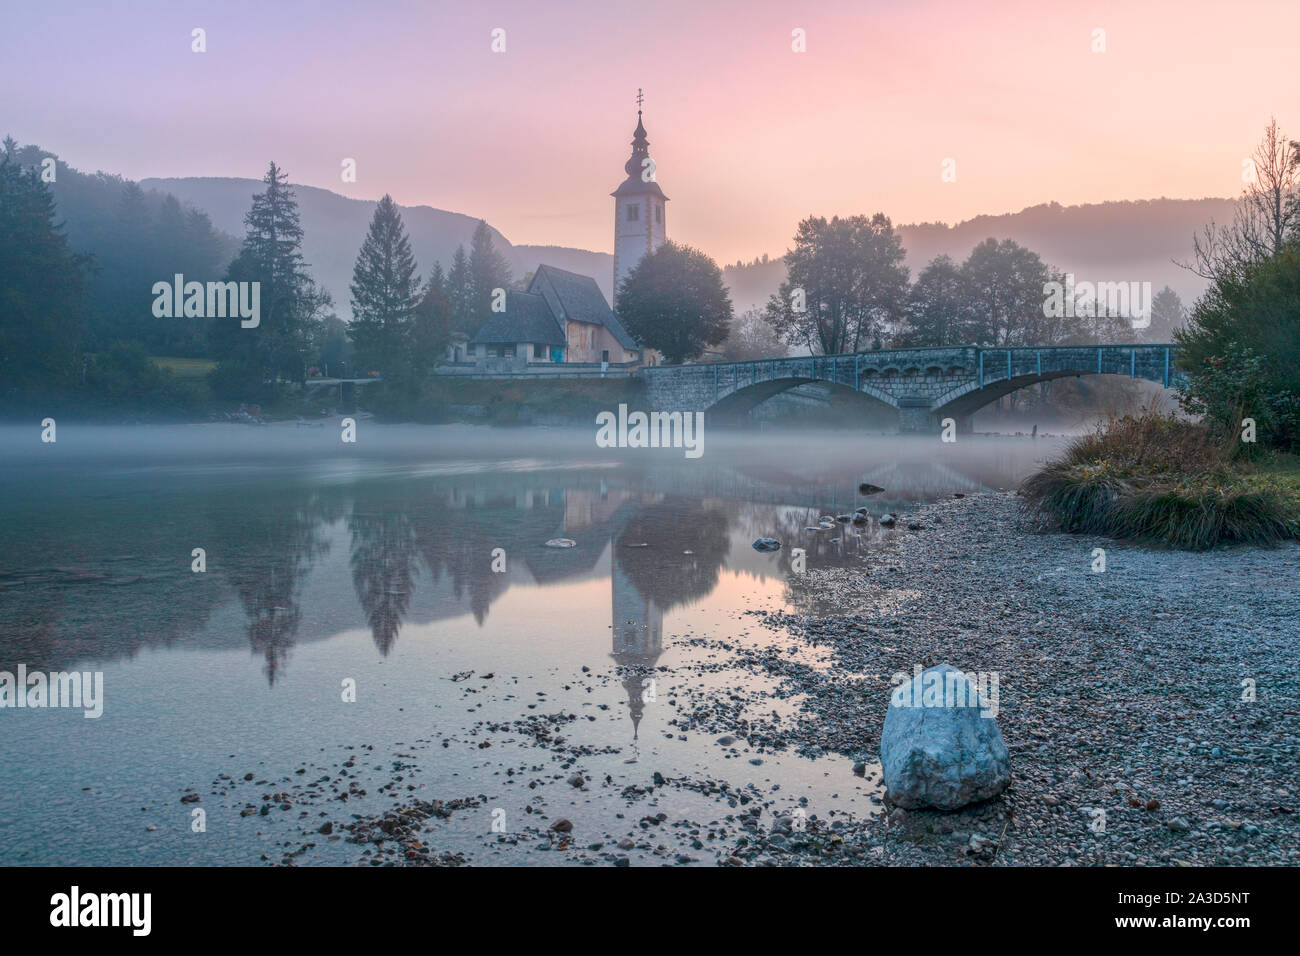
pixel 941 746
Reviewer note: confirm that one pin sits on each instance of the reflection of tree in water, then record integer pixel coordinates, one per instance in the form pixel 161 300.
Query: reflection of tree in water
pixel 452 543
pixel 383 568
pixel 661 571
pixel 89 576
pixel 275 547
pixel 399 530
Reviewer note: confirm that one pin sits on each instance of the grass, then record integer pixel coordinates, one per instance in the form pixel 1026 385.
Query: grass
pixel 1156 477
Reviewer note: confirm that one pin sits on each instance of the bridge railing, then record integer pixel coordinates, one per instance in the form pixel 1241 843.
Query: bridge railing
pixel 1154 362
pixel 1150 361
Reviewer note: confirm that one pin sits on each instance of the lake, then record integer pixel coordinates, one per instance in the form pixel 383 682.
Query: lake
pixel 392 608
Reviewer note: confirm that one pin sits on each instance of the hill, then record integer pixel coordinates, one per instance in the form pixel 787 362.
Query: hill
pixel 334 227
pixel 1110 241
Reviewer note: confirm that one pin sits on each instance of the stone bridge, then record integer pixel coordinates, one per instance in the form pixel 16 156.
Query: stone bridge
pixel 924 385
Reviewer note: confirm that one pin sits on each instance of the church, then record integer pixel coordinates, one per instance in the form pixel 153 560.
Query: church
pixel 562 317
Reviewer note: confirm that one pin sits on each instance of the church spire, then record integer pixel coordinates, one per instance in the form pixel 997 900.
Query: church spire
pixel 640 145
pixel 638 206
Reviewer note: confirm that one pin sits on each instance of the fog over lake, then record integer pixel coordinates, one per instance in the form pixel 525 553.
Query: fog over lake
pixel 404 563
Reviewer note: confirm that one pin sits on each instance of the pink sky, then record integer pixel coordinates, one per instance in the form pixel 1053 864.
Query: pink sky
pixel 748 136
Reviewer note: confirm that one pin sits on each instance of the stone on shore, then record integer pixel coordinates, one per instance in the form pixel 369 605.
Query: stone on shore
pixel 942 749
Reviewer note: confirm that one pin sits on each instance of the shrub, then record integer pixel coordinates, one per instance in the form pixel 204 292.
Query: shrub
pixel 1159 478
pixel 1241 350
pixel 1198 518
pixel 124 375
pixel 1146 444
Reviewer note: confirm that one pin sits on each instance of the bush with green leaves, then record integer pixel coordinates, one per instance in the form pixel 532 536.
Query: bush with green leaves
pixel 1241 353
pixel 1237 387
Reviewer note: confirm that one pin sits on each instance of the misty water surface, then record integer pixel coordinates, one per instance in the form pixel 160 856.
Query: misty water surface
pixel 375 563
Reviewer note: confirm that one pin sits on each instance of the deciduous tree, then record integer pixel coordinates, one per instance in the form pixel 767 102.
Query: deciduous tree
pixel 674 301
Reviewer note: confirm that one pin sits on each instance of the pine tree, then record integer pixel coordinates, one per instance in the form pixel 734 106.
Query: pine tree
pixel 384 291
pixel 1168 315
pixel 42 288
pixel 459 292
pixel 430 332
pixel 253 359
pixel 488 272
pixel 437 279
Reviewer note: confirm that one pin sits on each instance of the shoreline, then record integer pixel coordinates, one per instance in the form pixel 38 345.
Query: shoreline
pixel 1115 697
pixel 1120 691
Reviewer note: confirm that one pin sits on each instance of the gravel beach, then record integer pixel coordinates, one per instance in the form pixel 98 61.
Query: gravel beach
pixel 1121 692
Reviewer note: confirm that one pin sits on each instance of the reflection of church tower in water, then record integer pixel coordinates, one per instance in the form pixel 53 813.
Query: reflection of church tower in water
pixel 638 636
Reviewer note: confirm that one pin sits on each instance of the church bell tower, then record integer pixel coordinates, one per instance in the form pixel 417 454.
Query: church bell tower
pixel 639 216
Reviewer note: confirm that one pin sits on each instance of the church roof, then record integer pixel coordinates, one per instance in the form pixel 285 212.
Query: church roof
pixel 577 297
pixel 527 318
pixel 634 185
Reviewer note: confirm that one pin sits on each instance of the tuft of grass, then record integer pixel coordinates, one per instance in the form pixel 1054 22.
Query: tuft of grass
pixel 1197 519
pixel 1160 478
pixel 1077 497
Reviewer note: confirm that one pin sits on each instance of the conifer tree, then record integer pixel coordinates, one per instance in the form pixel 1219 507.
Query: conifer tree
pixel 459 291
pixel 385 291
pixel 488 272
pixel 42 288
pixel 292 307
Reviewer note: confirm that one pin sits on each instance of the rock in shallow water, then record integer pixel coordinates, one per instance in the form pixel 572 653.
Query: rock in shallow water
pixel 941 745
pixel 767 544
pixel 561 543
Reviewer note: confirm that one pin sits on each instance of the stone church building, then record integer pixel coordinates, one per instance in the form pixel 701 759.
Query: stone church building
pixel 562 317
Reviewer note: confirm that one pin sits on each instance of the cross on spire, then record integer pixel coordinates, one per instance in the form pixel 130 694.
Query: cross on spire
pixel 639 99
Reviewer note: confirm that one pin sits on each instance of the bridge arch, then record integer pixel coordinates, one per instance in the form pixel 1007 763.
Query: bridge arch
pixel 1151 363
pixel 743 400
pixel 923 385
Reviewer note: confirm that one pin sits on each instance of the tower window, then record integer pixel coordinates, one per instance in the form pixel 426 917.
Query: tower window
pixel 659 213
pixel 633 212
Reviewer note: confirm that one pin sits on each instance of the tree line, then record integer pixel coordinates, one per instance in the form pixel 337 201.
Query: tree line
pixel 847 289
pixel 75 322
pixel 80 254
pixel 1241 345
